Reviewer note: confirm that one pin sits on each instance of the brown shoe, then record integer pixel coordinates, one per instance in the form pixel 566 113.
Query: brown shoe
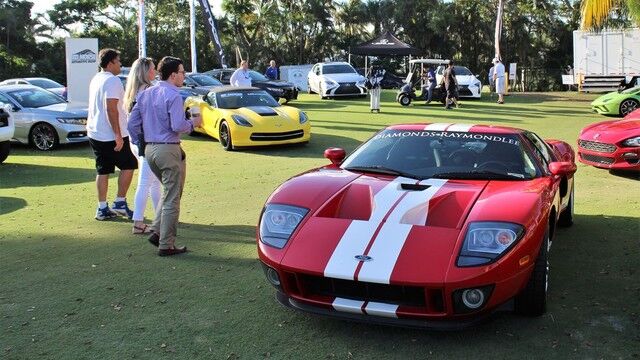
pixel 154 239
pixel 174 251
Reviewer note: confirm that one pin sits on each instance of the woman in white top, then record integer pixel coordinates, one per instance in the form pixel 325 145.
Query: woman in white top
pixel 140 77
pixel 499 80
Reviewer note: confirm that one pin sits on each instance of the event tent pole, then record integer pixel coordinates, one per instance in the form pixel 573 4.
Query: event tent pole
pixel 192 13
pixel 142 32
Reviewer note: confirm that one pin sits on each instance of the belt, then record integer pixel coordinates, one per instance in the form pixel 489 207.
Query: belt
pixel 163 143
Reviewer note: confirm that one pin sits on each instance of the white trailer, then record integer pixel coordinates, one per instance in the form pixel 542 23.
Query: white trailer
pixel 601 60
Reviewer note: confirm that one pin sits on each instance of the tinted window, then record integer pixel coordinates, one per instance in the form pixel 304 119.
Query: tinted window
pixel 632 90
pixel 461 70
pixel 205 80
pixel 256 76
pixel 45 83
pixel 541 148
pixel 35 98
pixel 238 99
pixel 424 154
pixel 338 69
pixel 4 100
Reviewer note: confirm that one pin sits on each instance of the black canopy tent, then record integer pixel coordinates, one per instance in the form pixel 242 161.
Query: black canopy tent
pixel 384 45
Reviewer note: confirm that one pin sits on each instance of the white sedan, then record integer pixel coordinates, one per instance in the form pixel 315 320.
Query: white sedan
pixel 333 79
pixel 469 85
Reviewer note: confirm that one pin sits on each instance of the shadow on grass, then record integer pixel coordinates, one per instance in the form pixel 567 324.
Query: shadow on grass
pixel 64 150
pixel 28 175
pixel 314 149
pixel 632 175
pixel 11 204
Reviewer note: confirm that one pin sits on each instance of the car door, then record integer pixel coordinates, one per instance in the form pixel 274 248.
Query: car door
pixel 211 116
pixel 22 123
pixel 313 78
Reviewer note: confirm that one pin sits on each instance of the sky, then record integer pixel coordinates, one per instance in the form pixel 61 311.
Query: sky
pixel 42 6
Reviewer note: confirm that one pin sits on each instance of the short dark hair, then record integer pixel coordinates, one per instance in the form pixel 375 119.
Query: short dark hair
pixel 106 56
pixel 168 65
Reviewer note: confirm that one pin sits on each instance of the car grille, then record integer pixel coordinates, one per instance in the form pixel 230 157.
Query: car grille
pixel 277 136
pixel 347 88
pixel 597 146
pixel 464 91
pixel 597 159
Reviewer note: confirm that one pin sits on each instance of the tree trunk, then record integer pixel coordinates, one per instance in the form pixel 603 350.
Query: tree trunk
pixel 498 29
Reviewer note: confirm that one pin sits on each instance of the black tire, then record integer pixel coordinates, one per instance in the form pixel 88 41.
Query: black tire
pixel 566 217
pixel 5 149
pixel 404 100
pixel 43 137
pixel 532 301
pixel 225 136
pixel 627 106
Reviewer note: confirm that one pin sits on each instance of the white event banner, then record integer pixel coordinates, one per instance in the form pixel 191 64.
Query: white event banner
pixel 297 74
pixel 82 64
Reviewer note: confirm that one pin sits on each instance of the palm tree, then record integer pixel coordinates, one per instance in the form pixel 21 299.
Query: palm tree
pixel 597 14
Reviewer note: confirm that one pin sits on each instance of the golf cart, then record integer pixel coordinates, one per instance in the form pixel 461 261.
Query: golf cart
pixel 417 67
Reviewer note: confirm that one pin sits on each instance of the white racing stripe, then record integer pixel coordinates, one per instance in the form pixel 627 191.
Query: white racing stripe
pixel 343 264
pixel 348 305
pixel 381 309
pixel 412 210
pixel 460 127
pixel 437 126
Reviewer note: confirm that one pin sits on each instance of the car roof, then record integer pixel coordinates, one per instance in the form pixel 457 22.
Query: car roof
pixel 18 87
pixel 229 88
pixel 429 61
pixel 334 63
pixel 472 128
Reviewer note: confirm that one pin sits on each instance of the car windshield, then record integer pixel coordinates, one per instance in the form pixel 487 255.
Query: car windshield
pixel 632 90
pixel 338 69
pixel 256 76
pixel 423 154
pixel 35 98
pixel 238 99
pixel 461 70
pixel 45 83
pixel 205 80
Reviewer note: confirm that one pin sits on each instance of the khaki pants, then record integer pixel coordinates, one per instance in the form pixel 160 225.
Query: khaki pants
pixel 167 162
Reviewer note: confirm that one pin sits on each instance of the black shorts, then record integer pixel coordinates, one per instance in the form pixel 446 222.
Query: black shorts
pixel 107 159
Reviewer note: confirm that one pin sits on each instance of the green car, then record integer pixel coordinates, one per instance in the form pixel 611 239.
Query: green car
pixel 617 103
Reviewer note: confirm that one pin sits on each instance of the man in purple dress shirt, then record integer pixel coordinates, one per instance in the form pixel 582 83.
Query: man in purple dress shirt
pixel 159 115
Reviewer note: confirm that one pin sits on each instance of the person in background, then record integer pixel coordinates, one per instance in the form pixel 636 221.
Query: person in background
pixel 492 84
pixel 142 73
pixel 451 86
pixel 159 114
pixel 272 71
pixel 431 83
pixel 499 80
pixel 241 76
pixel 108 136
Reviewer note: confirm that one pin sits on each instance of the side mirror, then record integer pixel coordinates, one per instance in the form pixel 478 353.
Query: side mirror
pixel 561 168
pixel 335 155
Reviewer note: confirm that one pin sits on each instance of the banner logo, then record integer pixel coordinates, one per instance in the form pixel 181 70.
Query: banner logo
pixel 84 56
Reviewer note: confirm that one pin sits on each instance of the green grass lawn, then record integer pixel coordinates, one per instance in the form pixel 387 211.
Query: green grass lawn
pixel 76 288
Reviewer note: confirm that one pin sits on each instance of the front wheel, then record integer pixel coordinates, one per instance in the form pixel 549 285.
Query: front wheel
pixel 404 100
pixel 225 136
pixel 5 149
pixel 627 106
pixel 532 301
pixel 43 137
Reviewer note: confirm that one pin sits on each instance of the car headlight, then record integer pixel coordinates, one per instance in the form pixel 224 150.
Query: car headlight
pixel 487 241
pixel 329 83
pixel 72 121
pixel 303 117
pixel 360 83
pixel 604 101
pixel 633 142
pixel 275 90
pixel 278 222
pixel 240 120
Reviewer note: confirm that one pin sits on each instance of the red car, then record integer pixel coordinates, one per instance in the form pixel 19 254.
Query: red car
pixel 613 144
pixel 429 225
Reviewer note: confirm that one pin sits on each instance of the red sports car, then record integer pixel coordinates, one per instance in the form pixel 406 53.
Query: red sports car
pixel 429 225
pixel 612 144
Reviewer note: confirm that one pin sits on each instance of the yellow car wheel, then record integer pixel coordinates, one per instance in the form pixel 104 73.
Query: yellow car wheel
pixel 225 136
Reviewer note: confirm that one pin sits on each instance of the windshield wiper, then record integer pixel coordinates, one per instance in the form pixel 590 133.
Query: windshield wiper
pixel 382 170
pixel 476 174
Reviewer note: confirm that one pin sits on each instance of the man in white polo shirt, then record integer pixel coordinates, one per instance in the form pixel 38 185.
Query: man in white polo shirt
pixel 241 76
pixel 108 135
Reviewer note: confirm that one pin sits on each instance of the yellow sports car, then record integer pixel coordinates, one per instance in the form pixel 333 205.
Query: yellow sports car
pixel 246 116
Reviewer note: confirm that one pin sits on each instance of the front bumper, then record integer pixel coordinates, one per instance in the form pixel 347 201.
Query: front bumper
pixel 447 325
pixel 249 136
pixel 608 156
pixel 344 89
pixel 469 91
pixel 68 133
pixel 605 109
